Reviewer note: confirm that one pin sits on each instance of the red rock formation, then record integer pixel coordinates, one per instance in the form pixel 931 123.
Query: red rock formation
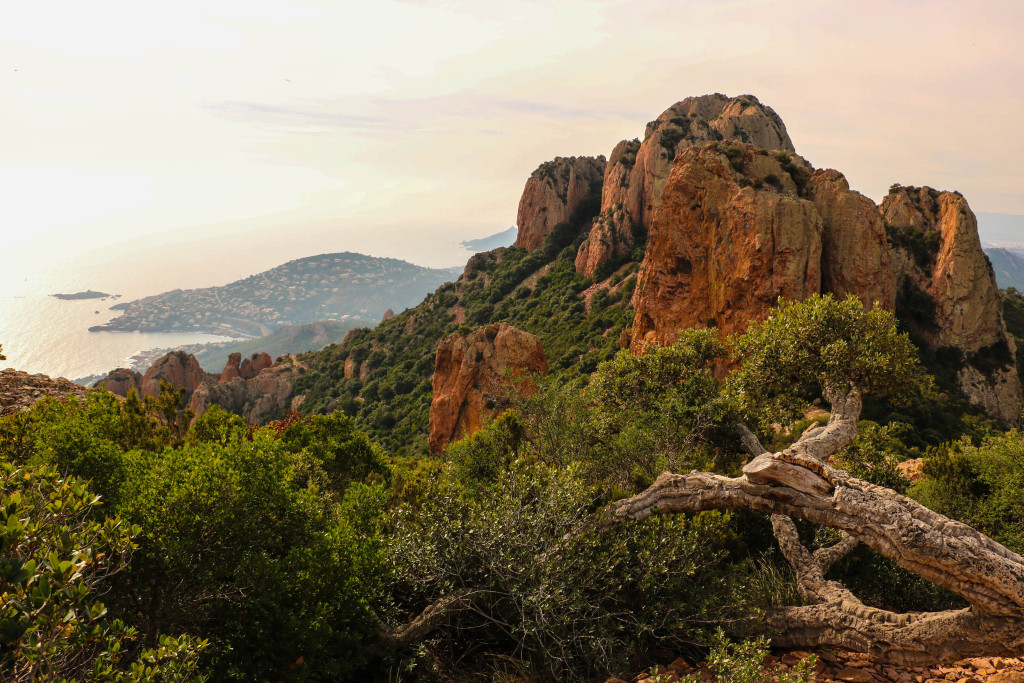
pixel 958 278
pixel 720 253
pixel 121 381
pixel 388 315
pixel 636 172
pixel 177 368
pixel 267 395
pixel 20 390
pixel 472 372
pixel 231 369
pixel 855 252
pixel 553 193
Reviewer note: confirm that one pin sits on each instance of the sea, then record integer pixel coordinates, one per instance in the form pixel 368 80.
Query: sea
pixel 42 334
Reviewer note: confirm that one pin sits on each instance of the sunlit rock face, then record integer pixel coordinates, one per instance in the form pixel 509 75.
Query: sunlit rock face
pixel 473 372
pixel 636 173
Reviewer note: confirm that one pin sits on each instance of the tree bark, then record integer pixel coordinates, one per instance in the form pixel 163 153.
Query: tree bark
pixel 797 482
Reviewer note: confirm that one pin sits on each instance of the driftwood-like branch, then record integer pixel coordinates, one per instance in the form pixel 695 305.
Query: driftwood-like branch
pixel 797 482
pixel 430 618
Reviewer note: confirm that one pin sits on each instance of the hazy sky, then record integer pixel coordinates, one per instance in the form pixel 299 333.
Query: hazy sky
pixel 272 130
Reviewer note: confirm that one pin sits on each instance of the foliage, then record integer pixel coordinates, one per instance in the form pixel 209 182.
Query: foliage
pixel 538 291
pixel 822 345
pixel 876 453
pixel 980 485
pixel 744 662
pixel 566 597
pixel 56 559
pixel 247 537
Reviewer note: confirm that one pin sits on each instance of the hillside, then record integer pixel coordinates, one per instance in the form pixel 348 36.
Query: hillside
pixel 344 287
pixel 1009 267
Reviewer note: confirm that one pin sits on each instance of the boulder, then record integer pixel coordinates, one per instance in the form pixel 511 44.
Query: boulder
pixel 473 372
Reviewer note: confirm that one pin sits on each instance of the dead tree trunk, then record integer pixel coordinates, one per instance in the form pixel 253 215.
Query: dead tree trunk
pixel 797 482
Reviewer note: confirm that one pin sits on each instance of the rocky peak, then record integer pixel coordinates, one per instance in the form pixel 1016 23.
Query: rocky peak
pixel 636 173
pixel 948 292
pixel 731 235
pixel 471 374
pixel 177 368
pixel 552 195
pixel 121 381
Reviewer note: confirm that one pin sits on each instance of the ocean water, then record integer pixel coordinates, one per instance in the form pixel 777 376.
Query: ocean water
pixel 41 334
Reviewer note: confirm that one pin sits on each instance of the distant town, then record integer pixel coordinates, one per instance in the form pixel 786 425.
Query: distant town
pixel 344 287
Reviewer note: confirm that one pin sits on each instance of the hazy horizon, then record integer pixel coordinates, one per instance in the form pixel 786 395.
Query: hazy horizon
pixel 239 135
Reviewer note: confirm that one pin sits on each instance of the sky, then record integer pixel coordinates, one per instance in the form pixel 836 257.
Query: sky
pixel 237 134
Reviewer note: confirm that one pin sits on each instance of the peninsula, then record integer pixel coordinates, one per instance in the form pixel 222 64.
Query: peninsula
pixel 345 287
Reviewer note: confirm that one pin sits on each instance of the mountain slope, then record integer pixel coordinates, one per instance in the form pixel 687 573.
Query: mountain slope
pixel 1009 267
pixel 572 283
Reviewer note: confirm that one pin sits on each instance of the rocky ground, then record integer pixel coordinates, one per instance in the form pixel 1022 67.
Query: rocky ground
pixel 848 667
pixel 19 390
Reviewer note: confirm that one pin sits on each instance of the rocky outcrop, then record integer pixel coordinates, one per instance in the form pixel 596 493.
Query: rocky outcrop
pixel 20 390
pixel 948 292
pixel 266 395
pixel 855 252
pixel 252 366
pixel 635 176
pixel 231 368
pixel 388 315
pixel 721 251
pixel 121 381
pixel 552 195
pixel 738 227
pixel 473 372
pixel 177 368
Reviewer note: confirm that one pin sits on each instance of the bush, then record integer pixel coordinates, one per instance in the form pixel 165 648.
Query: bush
pixel 565 605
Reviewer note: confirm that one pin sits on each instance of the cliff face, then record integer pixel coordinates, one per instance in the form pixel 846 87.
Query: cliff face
pixel 471 372
pixel 257 398
pixel 177 368
pixel 553 192
pixel 737 227
pixel 635 177
pixel 948 292
pixel 720 252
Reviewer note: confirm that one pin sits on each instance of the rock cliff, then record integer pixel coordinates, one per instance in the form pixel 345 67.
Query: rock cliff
pixel 721 252
pixel 948 292
pixel 121 381
pixel 737 227
pixel 635 176
pixel 553 193
pixel 473 372
pixel 177 368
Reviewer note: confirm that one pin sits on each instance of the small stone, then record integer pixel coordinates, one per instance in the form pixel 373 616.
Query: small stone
pixel 851 675
pixel 680 666
pixel 1007 677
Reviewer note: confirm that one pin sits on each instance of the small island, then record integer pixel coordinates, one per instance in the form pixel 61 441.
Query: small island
pixel 87 294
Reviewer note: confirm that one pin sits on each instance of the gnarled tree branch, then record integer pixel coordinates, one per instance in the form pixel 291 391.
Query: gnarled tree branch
pixel 797 482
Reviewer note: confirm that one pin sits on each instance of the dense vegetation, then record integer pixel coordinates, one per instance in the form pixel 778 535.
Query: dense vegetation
pixel 537 291
pixel 304 551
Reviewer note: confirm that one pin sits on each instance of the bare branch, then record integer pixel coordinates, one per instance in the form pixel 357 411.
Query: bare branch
pixel 826 557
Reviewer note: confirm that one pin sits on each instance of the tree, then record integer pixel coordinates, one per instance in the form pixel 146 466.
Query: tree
pixel 56 558
pixel 843 351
